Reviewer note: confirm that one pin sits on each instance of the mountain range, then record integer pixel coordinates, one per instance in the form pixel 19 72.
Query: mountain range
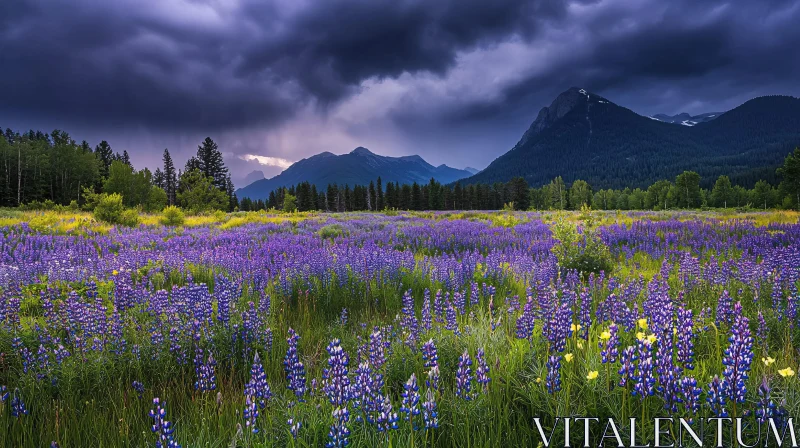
pixel 358 167
pixel 686 119
pixel 582 135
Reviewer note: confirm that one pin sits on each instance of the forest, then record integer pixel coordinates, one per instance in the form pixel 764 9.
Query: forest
pixel 44 171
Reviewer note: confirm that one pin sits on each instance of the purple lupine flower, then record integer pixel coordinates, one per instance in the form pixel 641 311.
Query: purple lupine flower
pixel 427 317
pixel 690 395
pixel 557 328
pixel 482 371
pixel 460 302
pixel 386 419
pixel 762 332
pixel 609 347
pixel 766 407
pixel 18 408
pixel 258 387
pixel 438 307
pixel 725 313
pixel 336 379
pixel 250 413
pixel 526 321
pixel 429 414
pixel 738 358
pixel 410 404
pixel 433 377
pixel 3 394
pixel 295 370
pixel 343 317
pixel 716 398
pixel 644 381
pixel 161 427
pixel 553 380
pixel 585 313
pixel 339 433
pixel 474 298
pixel 452 323
pixel 139 388
pixel 294 427
pixel 409 322
pixel 464 377
pixel 685 338
pixel 366 388
pixel 377 349
pixel 206 376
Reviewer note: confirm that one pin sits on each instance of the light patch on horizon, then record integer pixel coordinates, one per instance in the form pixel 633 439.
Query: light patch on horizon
pixel 267 161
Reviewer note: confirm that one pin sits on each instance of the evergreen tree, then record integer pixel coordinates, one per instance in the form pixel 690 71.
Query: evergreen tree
pixel 210 162
pixel 790 174
pixel 126 159
pixel 416 197
pixel 520 193
pixel 558 194
pixel 380 202
pixel 105 156
pixel 158 179
pixel 170 178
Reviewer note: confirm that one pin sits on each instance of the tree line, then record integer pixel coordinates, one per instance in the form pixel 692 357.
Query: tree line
pixel 684 192
pixel 43 170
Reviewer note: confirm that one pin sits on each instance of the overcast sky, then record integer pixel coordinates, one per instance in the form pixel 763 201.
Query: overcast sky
pixel 456 81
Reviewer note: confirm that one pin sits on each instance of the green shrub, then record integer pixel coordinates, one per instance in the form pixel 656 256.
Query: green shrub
pixel 331 231
pixel 582 250
pixel 172 216
pixel 108 208
pixel 129 218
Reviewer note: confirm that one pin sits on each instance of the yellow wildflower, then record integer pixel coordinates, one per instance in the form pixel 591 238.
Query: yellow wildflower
pixel 787 372
pixel 568 357
pixel 592 375
pixel 640 336
pixel 651 338
pixel 580 345
pixel 768 360
pixel 642 323
pixel 606 335
pixel 115 272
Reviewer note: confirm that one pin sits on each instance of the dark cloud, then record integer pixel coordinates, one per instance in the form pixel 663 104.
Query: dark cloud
pixel 285 78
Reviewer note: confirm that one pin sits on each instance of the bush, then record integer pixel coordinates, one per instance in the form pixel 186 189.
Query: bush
pixel 583 250
pixel 331 231
pixel 108 208
pixel 172 216
pixel 129 218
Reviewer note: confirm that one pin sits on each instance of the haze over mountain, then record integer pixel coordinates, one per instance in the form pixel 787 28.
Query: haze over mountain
pixel 358 167
pixel 582 135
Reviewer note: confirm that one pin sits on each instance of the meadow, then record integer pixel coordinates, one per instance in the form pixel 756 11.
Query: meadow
pixel 390 329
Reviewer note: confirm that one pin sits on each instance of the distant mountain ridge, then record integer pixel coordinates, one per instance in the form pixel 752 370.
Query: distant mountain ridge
pixel 582 135
pixel 686 119
pixel 358 167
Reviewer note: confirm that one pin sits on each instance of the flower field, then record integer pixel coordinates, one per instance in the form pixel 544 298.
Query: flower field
pixel 399 329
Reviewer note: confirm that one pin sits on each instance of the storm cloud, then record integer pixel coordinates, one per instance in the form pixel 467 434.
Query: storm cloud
pixel 457 82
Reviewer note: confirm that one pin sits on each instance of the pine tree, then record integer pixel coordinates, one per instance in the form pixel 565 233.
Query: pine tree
pixel 126 159
pixel 211 164
pixel 105 155
pixel 158 179
pixel 380 203
pixel 170 178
